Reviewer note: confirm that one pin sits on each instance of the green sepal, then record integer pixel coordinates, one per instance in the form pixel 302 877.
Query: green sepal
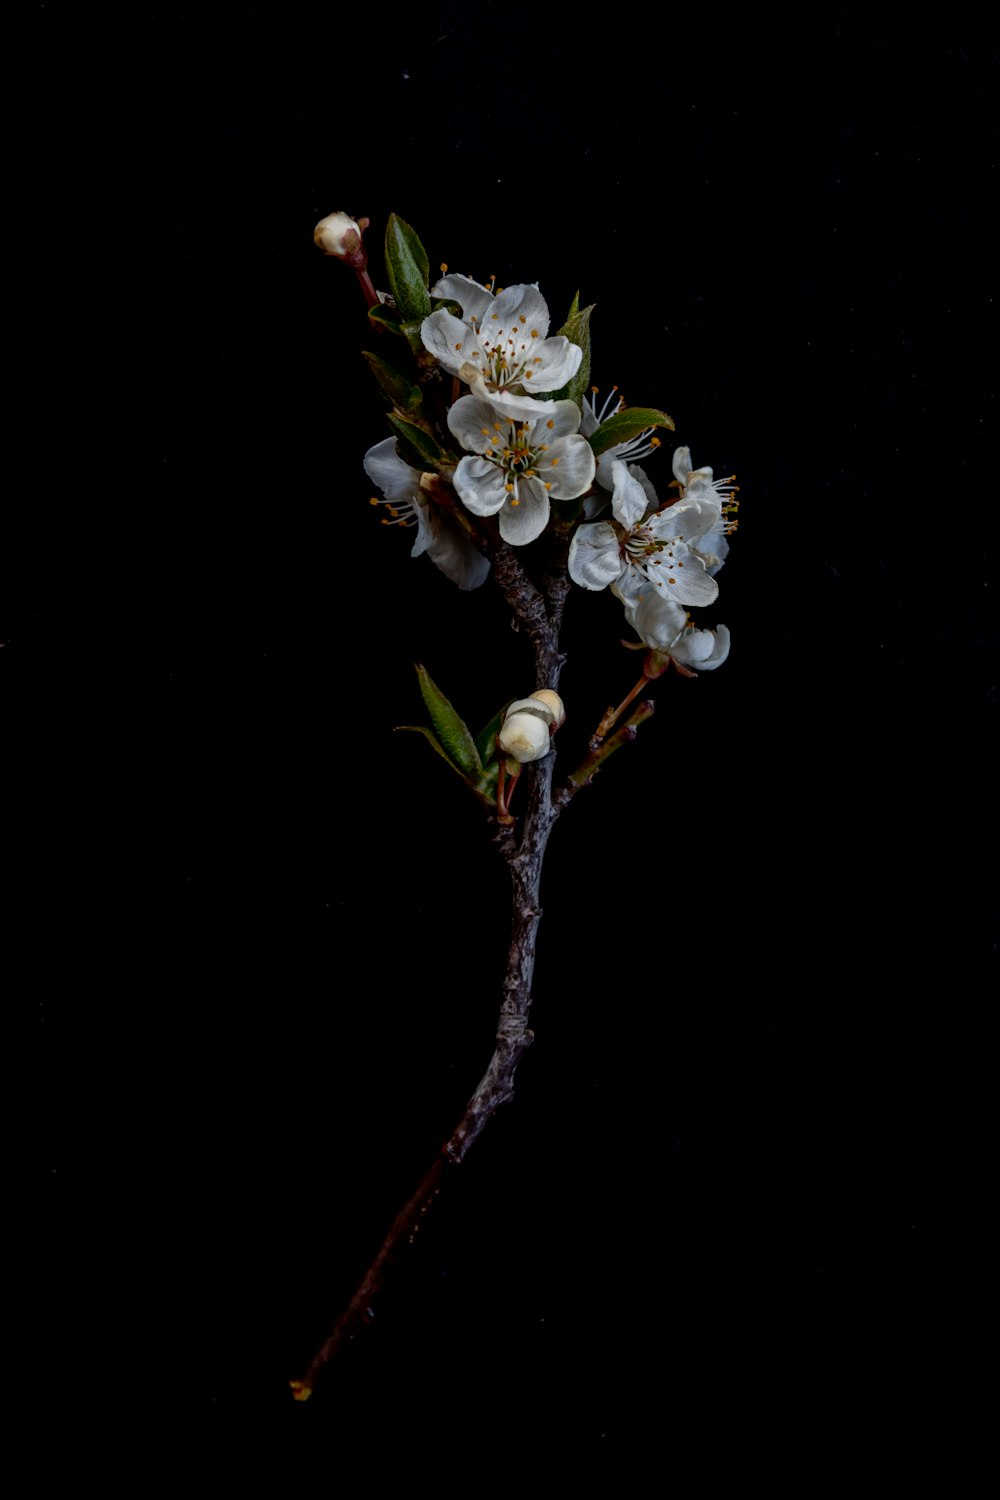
pixel 385 317
pixel 399 388
pixel 577 329
pixel 627 424
pixel 407 268
pixel 420 450
pixel 451 729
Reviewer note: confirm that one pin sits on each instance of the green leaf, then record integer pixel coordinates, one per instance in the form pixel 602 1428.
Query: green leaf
pixel 577 329
pixel 484 786
pixel 627 424
pixel 399 388
pixel 451 729
pixel 385 317
pixel 422 450
pixel 431 739
pixel 411 331
pixel 406 264
pixel 486 739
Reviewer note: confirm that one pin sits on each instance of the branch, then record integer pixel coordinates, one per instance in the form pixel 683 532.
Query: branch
pixel 524 860
pixel 599 752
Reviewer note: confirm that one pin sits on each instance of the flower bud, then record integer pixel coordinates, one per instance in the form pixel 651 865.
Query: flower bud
pixel 340 235
pixel 524 736
pixel 554 702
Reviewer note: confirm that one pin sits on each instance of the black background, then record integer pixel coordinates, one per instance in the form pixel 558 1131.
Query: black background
pixel 743 1192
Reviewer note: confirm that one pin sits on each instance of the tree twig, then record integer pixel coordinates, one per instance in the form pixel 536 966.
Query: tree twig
pixel 541 614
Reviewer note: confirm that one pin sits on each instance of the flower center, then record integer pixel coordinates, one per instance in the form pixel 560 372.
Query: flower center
pixel 653 558
pixel 514 451
pixel 506 356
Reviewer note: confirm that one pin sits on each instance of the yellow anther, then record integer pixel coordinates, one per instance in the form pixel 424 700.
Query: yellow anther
pixel 654 442
pixel 551 422
pixel 527 374
pixel 548 484
pixel 373 501
pixel 554 462
pixel 515 501
pixel 508 486
pixel 534 333
pixel 522 318
pixel 444 269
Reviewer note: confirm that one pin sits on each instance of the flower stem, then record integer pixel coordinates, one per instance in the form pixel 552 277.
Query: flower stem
pixel 367 287
pixel 601 750
pixel 614 714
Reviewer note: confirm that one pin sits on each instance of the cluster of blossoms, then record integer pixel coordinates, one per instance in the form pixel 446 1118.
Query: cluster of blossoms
pixel 497 441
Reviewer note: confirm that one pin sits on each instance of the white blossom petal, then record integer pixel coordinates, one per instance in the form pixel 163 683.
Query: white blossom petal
pixel 702 649
pixel 629 501
pixel 524 519
pixel 452 342
pixel 473 299
pixel 657 620
pixel 480 486
pixel 594 555
pixel 569 468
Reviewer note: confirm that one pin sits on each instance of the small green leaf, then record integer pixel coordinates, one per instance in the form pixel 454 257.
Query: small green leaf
pixel 385 317
pixel 411 331
pixel 577 329
pixel 431 739
pixel 486 786
pixel 627 424
pixel 419 444
pixel 450 727
pixel 399 388
pixel 406 264
pixel 486 739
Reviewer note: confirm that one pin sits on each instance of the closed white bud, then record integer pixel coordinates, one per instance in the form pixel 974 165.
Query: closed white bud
pixel 524 736
pixel 554 702
pixel 340 235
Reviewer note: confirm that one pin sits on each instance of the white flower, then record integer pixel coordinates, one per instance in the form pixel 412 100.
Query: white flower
pixel 499 342
pixel 438 534
pixel 698 484
pixel 667 628
pixel 519 465
pixel 646 547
